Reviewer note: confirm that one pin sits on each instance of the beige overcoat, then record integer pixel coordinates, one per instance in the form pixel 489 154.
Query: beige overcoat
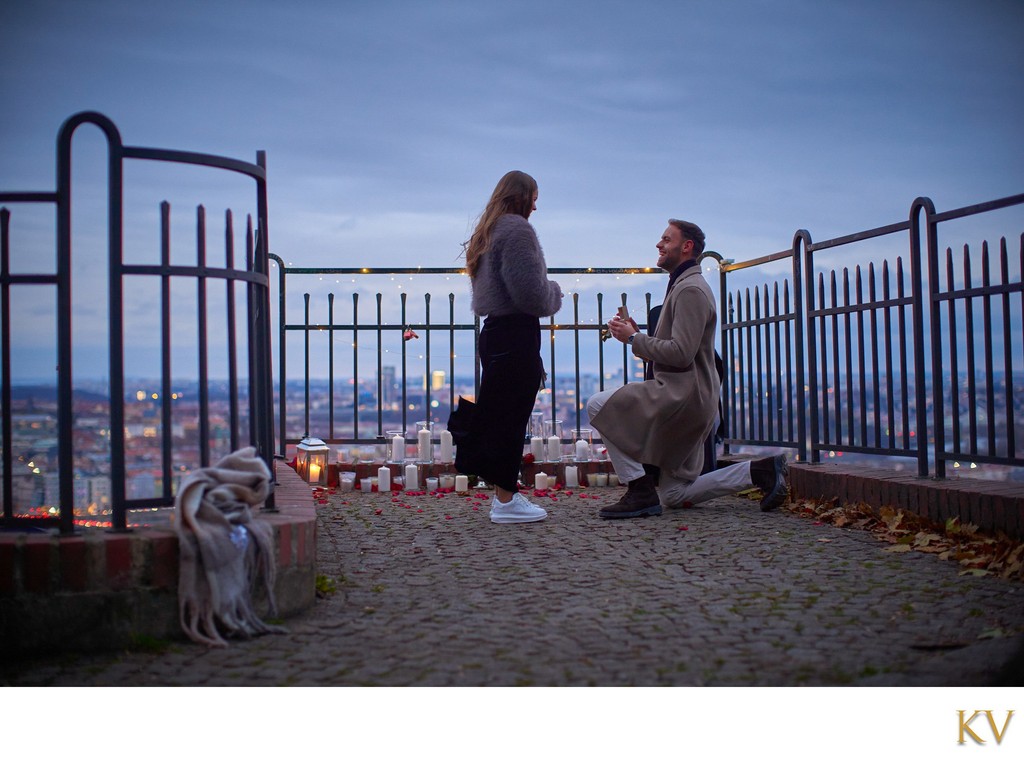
pixel 665 420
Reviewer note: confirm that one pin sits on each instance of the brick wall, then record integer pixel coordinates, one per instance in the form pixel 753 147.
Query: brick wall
pixel 97 589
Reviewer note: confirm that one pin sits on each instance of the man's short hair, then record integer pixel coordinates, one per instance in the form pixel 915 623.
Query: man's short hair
pixel 691 232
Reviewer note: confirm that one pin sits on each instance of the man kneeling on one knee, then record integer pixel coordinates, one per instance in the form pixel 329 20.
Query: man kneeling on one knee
pixel 655 429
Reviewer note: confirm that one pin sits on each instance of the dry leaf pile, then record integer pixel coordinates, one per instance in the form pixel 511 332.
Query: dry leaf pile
pixel 977 554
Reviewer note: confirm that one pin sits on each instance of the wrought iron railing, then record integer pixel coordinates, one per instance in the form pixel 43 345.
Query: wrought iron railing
pixel 854 359
pixel 907 356
pixel 255 407
pixel 359 342
pixel 848 360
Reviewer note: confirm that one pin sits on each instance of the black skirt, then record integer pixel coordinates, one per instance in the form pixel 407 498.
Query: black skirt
pixel 490 433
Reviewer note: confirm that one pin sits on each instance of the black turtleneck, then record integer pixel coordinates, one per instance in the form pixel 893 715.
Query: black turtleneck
pixel 678 271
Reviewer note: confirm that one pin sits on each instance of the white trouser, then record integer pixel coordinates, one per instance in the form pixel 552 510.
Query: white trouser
pixel 674 492
pixel 677 493
pixel 626 467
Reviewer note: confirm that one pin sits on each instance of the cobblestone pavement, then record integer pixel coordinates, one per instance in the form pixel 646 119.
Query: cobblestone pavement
pixel 428 592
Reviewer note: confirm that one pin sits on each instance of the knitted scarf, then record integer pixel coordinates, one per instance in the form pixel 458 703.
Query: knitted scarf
pixel 224 547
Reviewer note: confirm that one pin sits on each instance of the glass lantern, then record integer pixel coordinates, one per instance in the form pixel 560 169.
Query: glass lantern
pixel 311 460
pixel 553 439
pixel 395 445
pixel 424 442
pixel 582 445
pixel 536 425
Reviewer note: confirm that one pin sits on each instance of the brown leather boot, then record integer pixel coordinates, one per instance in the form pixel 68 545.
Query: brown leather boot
pixel 769 475
pixel 640 500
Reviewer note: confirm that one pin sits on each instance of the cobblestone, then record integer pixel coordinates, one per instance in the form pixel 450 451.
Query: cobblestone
pixel 429 593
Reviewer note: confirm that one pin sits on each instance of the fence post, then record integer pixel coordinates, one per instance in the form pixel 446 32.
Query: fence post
pixel 723 319
pixel 282 396
pixel 65 394
pixel 262 405
pixel 920 382
pixel 801 240
pixel 805 320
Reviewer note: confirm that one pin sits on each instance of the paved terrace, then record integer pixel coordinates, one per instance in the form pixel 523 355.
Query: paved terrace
pixel 427 592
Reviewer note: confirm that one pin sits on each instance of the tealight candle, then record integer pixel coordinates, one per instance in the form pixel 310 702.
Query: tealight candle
pixel 461 484
pixel 446 447
pixel 540 480
pixel 447 481
pixel 412 477
pixel 383 479
pixel 431 483
pixel 347 483
pixel 613 479
pixel 537 448
pixel 366 484
pixel 572 477
pixel 554 448
pixel 592 479
pixel 602 479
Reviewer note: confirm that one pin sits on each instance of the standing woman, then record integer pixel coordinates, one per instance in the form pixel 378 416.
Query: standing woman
pixel 512 292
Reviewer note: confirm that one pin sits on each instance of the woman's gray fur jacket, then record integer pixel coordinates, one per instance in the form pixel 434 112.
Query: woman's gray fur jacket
pixel 512 276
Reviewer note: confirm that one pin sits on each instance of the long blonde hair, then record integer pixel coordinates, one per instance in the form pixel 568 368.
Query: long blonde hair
pixel 513 194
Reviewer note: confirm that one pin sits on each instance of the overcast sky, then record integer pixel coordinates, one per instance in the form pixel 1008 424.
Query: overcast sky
pixel 387 123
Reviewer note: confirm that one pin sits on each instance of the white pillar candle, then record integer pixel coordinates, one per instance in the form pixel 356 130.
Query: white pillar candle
pixel 446 447
pixel 540 481
pixel 431 483
pixel 447 481
pixel 366 484
pixel 554 448
pixel 537 448
pixel 602 479
pixel 397 449
pixel 314 473
pixel 461 484
pixel 582 450
pixel 412 477
pixel 383 479
pixel 572 477
pixel 423 444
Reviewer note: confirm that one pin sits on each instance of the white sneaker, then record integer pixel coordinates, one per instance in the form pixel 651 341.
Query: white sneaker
pixel 517 510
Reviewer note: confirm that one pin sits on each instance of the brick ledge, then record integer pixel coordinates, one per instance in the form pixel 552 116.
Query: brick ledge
pixel 992 505
pixel 99 590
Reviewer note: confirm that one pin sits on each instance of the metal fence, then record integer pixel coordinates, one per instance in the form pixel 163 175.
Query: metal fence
pixel 336 332
pixel 865 358
pixel 252 339
pixel 912 356
pixel 897 359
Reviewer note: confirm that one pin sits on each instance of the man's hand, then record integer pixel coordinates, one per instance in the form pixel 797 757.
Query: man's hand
pixel 622 329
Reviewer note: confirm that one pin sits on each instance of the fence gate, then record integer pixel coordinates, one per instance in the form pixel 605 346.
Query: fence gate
pixel 250 280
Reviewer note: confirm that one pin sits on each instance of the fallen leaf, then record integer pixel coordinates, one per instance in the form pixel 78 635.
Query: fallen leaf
pixel 992 634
